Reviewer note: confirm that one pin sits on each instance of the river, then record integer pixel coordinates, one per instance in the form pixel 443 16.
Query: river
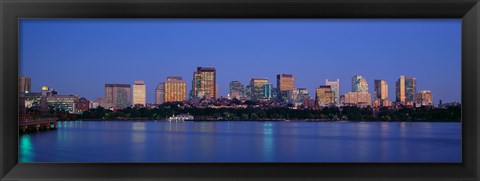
pixel 243 141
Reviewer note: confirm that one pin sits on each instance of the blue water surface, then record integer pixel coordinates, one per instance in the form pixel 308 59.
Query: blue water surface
pixel 248 141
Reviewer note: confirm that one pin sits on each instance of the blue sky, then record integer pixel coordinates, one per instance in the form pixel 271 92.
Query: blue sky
pixel 78 56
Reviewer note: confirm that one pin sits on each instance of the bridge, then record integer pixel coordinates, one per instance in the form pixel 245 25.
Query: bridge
pixel 36 124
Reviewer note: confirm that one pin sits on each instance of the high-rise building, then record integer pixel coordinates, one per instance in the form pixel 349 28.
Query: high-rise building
pixel 175 89
pixel 160 94
pixel 324 96
pixel 267 91
pixel 362 99
pixel 380 90
pixel 285 83
pixel 24 84
pixel 256 85
pixel 139 93
pixel 406 89
pixel 237 89
pixel 424 98
pixel 204 82
pixel 117 95
pixel 359 84
pixel 216 91
pixel 248 92
pixel 335 85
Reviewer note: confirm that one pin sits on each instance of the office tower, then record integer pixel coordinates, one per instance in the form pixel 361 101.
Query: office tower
pixel 216 91
pixel 406 89
pixel 285 83
pixel 117 95
pixel 380 90
pixel 424 98
pixel 160 94
pixel 361 99
pixel 248 92
pixel 303 98
pixel 335 85
pixel 324 96
pixel 175 89
pixel 359 84
pixel 256 85
pixel 204 82
pixel 139 93
pixel 24 84
pixel 267 91
pixel 237 89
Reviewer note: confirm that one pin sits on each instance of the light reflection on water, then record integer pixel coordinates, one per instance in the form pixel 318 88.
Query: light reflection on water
pixel 125 141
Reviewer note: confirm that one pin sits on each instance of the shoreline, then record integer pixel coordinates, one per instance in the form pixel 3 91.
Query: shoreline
pixel 265 120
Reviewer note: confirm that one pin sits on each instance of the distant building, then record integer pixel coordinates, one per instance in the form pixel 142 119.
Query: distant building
pixel 204 83
pixel 175 89
pixel 217 94
pixel 248 92
pixel 237 89
pixel 285 83
pixel 24 84
pixel 82 105
pixel 117 96
pixel 324 96
pixel 267 91
pixel 300 97
pixel 361 99
pixel 424 98
pixel 256 85
pixel 406 89
pixel 335 86
pixel 139 93
pixel 359 84
pixel 380 94
pixel 160 94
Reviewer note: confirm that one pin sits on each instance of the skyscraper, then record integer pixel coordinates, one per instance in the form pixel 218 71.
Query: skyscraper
pixel 256 84
pixel 285 83
pixel 204 82
pixel 175 89
pixel 117 95
pixel 335 85
pixel 237 89
pixel 406 89
pixel 139 93
pixel 424 98
pixel 267 91
pixel 24 84
pixel 160 94
pixel 359 84
pixel 324 96
pixel 380 90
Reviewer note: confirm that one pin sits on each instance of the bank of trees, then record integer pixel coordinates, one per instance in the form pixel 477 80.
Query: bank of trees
pixel 280 113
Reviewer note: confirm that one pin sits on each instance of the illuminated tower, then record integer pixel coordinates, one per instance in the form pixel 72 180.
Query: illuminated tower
pixel 175 89
pixel 335 85
pixel 160 94
pixel 406 89
pixel 204 82
pixel 139 93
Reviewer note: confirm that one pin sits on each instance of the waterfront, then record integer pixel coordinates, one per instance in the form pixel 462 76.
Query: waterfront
pixel 244 141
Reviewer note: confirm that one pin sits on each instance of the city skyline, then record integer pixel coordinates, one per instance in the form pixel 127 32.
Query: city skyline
pixel 251 65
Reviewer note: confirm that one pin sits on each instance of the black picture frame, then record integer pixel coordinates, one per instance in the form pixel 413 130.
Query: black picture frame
pixel 12 10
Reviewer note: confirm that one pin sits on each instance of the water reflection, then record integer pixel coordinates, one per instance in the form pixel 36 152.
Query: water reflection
pixel 26 149
pixel 268 141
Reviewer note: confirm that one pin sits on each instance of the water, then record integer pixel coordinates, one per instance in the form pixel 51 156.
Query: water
pixel 149 141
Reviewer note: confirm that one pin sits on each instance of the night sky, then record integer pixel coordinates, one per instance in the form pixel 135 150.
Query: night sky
pixel 79 56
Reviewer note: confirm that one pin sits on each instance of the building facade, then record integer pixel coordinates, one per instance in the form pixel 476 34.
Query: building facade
pixel 424 98
pixel 257 85
pixel 285 83
pixel 380 90
pixel 237 90
pixel 117 96
pixel 324 96
pixel 406 89
pixel 335 85
pixel 267 91
pixel 139 93
pixel 204 83
pixel 82 105
pixel 175 89
pixel 361 99
pixel 359 84
pixel 160 94
pixel 24 84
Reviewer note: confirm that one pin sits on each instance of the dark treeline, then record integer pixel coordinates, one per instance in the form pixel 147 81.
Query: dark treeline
pixel 452 113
